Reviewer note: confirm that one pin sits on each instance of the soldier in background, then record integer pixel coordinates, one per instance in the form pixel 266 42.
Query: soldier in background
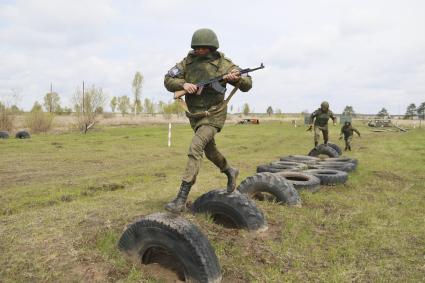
pixel 320 118
pixel 204 62
pixel 348 132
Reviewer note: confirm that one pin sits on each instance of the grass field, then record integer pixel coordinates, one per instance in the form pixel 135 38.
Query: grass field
pixel 64 200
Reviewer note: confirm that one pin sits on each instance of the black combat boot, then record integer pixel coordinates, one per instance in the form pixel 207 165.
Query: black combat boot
pixel 178 204
pixel 232 174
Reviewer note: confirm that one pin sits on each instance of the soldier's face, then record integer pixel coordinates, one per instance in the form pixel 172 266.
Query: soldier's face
pixel 202 51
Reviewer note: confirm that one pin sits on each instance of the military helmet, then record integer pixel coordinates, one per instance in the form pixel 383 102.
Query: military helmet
pixel 324 105
pixel 204 37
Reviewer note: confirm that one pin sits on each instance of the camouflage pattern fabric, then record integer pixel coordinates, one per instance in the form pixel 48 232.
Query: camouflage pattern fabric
pixel 321 118
pixel 348 131
pixel 203 141
pixel 317 131
pixel 195 69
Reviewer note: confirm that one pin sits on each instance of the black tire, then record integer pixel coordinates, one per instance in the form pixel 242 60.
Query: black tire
pixel 22 135
pixel 335 147
pixel 344 159
pixel 285 164
pixel 300 158
pixel 4 135
pixel 301 180
pixel 323 150
pixel 283 191
pixel 272 169
pixel 343 166
pixel 329 176
pixel 233 210
pixel 173 235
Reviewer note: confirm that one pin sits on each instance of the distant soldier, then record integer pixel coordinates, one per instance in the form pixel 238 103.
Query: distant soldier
pixel 204 62
pixel 320 117
pixel 348 131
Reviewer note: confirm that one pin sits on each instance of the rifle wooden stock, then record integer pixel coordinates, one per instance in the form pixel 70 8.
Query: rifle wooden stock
pixel 179 93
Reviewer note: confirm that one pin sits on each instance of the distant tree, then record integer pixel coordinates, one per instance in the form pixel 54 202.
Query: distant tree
pixel 349 111
pixel 245 109
pixel 137 90
pixel 149 106
pixel 99 110
pixel 123 104
pixel 15 109
pixel 269 110
pixel 85 106
pixel 383 113
pixel 51 102
pixel 278 111
pixel 421 111
pixel 231 108
pixel 411 111
pixel 36 107
pixel 113 104
pixel 67 110
pixel 7 118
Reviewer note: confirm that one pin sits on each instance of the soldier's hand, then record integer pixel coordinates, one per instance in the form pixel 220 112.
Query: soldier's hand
pixel 309 128
pixel 190 88
pixel 334 124
pixel 233 76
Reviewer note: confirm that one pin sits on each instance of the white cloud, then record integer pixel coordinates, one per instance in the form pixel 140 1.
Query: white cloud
pixel 361 53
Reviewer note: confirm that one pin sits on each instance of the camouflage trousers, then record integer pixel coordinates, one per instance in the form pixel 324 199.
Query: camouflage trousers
pixel 325 132
pixel 203 141
pixel 348 142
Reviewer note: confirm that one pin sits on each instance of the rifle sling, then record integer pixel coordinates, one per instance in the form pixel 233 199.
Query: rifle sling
pixel 213 110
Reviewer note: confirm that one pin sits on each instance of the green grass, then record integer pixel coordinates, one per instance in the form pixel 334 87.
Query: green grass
pixel 64 200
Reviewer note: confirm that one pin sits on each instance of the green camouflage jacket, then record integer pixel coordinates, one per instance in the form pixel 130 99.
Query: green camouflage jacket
pixel 348 131
pixel 194 69
pixel 321 118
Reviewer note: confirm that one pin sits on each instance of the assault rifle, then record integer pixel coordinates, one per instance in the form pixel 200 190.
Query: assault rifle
pixel 215 83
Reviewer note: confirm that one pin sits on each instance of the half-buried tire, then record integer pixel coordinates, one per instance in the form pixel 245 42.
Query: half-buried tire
pixel 273 169
pixel 335 147
pixel 329 176
pixel 343 166
pixel 22 135
pixel 323 150
pixel 233 210
pixel 301 180
pixel 170 239
pixel 343 159
pixel 282 191
pixel 4 135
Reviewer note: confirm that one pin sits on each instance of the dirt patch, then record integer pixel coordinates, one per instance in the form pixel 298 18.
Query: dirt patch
pixel 387 175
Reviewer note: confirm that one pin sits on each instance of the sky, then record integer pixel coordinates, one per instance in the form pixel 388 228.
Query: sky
pixel 367 54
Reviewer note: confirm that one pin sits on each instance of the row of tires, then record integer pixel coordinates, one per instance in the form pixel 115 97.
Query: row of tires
pixel 18 135
pixel 183 243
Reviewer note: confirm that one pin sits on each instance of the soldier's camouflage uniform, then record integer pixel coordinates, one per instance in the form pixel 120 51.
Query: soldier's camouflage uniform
pixel 348 131
pixel 195 69
pixel 321 119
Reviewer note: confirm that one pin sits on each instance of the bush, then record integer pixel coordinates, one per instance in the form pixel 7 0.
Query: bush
pixel 6 118
pixel 38 121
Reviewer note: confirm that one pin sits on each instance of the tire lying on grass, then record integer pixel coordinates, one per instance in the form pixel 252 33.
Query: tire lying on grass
pixel 301 180
pixel 169 239
pixel 329 176
pixel 335 147
pixel 273 169
pixel 282 190
pixel 300 158
pixel 323 150
pixel 342 166
pixel 343 159
pixel 283 164
pixel 233 210
pixel 22 135
pixel 4 135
